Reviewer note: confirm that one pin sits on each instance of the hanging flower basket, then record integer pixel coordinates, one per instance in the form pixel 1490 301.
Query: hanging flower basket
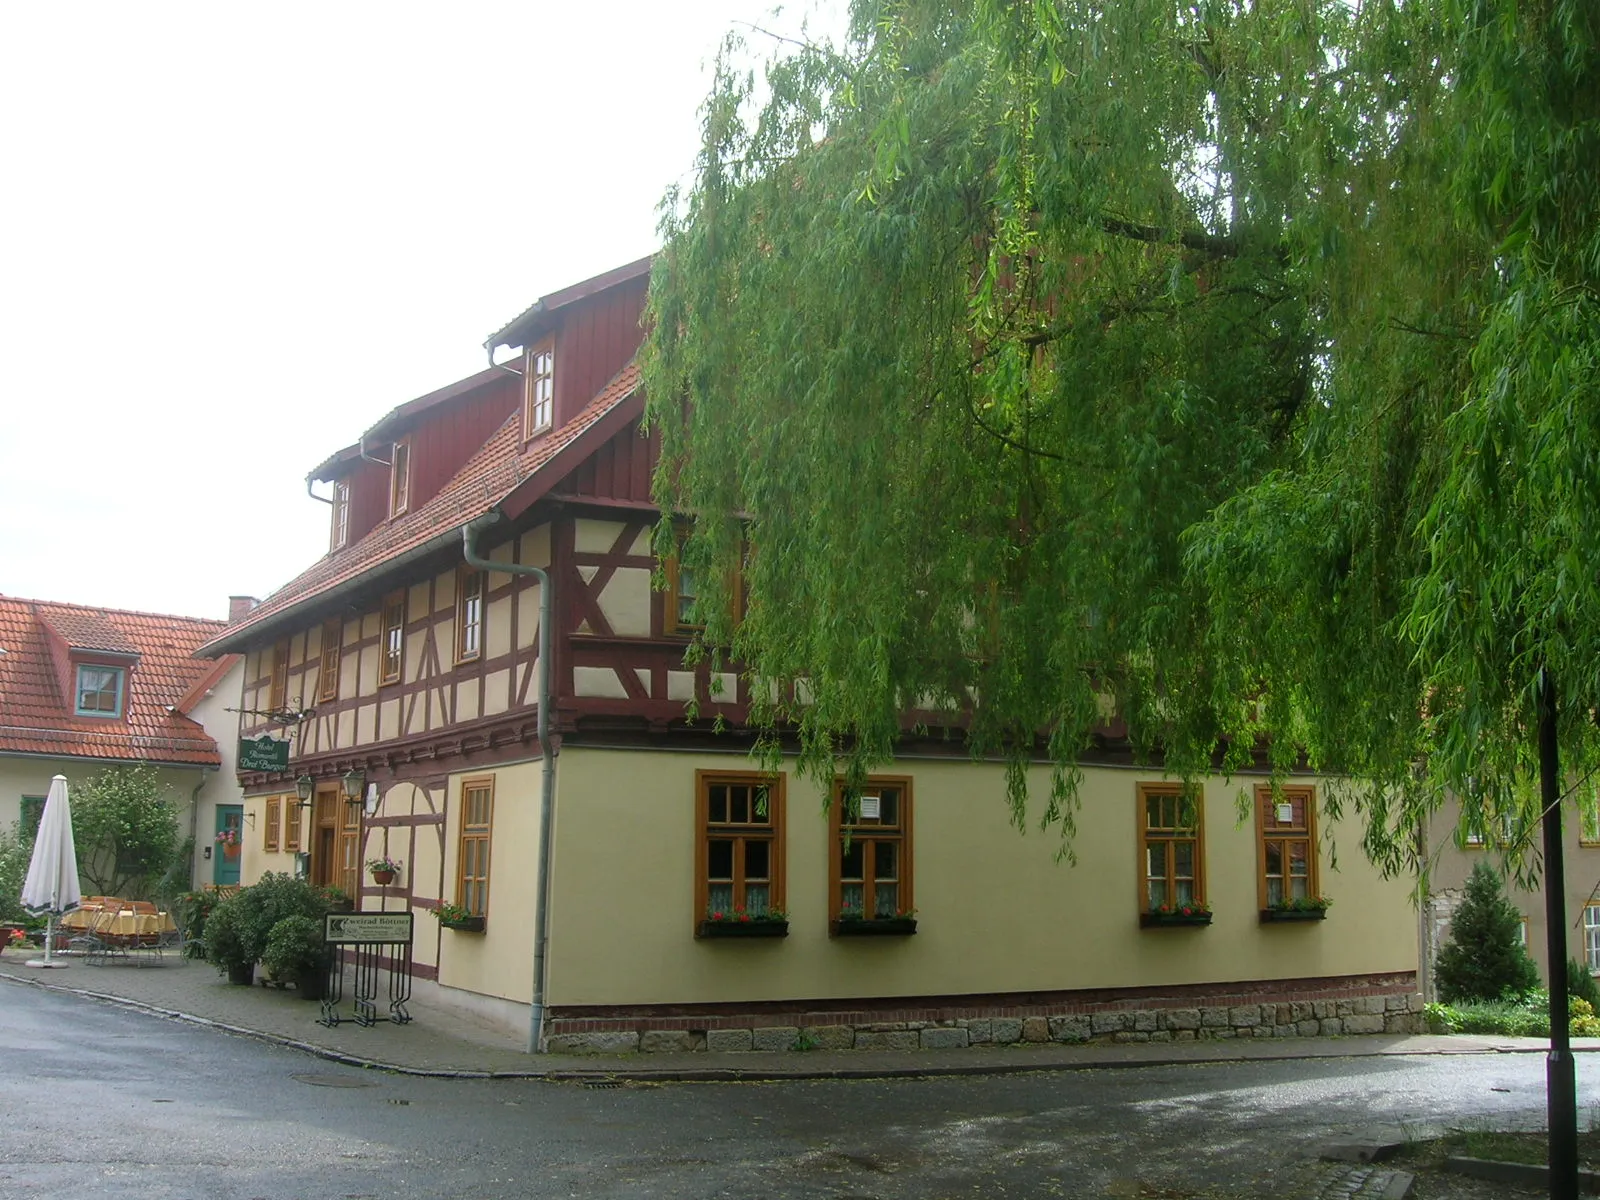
pixel 384 870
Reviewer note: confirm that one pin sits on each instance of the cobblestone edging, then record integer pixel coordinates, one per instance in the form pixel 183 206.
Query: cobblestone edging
pixel 1306 1018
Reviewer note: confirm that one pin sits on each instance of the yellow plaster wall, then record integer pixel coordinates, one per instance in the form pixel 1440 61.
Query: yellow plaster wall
pixel 996 911
pixel 499 961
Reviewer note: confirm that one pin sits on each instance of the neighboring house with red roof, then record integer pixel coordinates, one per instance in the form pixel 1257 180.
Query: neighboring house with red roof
pixel 408 679
pixel 83 689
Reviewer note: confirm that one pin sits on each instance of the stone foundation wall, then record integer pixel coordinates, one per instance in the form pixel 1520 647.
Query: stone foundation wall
pixel 1390 1005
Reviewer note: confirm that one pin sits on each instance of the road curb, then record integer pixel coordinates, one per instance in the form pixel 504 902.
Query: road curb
pixel 755 1073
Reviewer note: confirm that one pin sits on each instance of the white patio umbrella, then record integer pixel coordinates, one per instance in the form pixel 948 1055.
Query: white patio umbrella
pixel 52 884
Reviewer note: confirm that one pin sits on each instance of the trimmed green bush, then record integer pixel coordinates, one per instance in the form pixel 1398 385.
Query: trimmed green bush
pixel 1484 959
pixel 294 948
pixel 225 942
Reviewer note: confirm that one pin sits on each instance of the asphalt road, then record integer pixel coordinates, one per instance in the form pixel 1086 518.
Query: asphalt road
pixel 100 1102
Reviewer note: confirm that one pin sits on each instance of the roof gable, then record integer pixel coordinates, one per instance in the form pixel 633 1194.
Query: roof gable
pixel 504 472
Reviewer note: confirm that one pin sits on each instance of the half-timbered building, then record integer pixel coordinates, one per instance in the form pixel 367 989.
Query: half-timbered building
pixel 619 877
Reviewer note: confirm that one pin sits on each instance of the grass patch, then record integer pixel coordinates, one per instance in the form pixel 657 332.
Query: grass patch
pixel 1529 1148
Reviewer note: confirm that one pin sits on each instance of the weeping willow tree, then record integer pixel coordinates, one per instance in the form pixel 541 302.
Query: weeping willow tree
pixel 1225 366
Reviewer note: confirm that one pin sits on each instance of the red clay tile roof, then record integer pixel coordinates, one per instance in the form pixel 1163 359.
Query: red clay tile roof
pixel 36 719
pixel 501 467
pixel 87 629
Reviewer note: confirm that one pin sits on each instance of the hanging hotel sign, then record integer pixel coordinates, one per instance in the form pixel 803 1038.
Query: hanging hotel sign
pixel 265 753
pixel 367 928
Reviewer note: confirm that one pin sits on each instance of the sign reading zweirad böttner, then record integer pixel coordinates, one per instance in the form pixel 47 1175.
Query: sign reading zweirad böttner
pixel 366 928
pixel 265 753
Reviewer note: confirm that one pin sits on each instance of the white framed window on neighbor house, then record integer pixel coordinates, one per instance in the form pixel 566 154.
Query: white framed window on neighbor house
pixel 1591 936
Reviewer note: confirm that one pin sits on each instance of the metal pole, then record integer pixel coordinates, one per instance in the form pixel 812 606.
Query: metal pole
pixel 1560 1081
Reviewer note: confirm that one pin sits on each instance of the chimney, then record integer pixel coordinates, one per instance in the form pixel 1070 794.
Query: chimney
pixel 240 607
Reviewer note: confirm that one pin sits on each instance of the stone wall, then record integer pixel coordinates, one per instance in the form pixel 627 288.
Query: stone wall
pixel 1390 1005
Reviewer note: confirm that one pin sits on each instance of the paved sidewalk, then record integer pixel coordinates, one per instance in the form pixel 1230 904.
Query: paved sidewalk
pixel 441 1041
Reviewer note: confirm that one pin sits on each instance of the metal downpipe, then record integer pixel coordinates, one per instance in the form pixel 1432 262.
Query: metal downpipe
pixel 547 789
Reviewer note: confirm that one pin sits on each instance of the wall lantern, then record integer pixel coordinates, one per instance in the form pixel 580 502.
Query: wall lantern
pixel 350 783
pixel 304 787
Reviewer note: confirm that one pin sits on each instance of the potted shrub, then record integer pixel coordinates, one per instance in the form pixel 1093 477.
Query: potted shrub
pixel 455 916
pixel 384 870
pixel 736 923
pixel 853 922
pixel 295 953
pixel 225 943
pixel 266 902
pixel 1175 914
pixel 1302 908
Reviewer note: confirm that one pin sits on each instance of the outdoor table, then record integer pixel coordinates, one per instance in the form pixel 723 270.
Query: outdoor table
pixel 107 930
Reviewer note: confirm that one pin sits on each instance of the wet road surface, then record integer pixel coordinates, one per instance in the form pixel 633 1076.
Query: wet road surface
pixel 100 1102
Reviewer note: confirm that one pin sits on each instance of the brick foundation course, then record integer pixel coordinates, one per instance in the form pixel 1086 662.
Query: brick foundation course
pixel 1307 1008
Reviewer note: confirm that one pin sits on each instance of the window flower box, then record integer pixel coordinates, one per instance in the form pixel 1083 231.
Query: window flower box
pixel 1296 910
pixel 753 927
pixel 453 916
pixel 1161 918
pixel 902 926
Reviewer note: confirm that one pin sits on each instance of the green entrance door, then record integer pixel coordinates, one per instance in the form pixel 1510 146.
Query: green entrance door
pixel 225 853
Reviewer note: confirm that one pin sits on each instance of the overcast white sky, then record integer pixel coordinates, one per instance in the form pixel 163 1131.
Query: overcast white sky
pixel 234 235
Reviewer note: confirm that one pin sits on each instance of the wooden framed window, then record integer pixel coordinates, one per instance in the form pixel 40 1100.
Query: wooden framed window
pixel 349 848
pixel 400 478
pixel 477 821
pixel 471 589
pixel 739 851
pixel 869 871
pixel 392 642
pixel 340 533
pixel 539 390
pixel 278 678
pixel 1475 838
pixel 684 589
pixel 1171 848
pixel 328 667
pixel 99 691
pixel 292 808
pixel 1286 827
pixel 1591 936
pixel 1589 816
pixel 269 833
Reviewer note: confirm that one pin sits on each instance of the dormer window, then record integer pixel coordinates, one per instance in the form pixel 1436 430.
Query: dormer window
pixel 341 515
pixel 539 397
pixel 99 692
pixel 399 478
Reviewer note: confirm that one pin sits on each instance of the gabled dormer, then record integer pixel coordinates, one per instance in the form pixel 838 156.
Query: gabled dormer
pixel 94 663
pixel 571 342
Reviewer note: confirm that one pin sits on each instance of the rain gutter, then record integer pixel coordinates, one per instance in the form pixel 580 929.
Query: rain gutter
pixel 547 788
pixel 194 824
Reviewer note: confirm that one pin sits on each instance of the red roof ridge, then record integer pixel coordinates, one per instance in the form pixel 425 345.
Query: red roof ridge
pixel 106 608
